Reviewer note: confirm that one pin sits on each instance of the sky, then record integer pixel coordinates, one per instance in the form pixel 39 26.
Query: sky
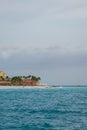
pixel 45 38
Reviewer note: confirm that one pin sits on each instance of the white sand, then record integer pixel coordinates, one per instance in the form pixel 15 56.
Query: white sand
pixel 38 86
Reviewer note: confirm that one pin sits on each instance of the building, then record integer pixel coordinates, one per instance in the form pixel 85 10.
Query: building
pixel 17 80
pixel 2 74
pixel 29 82
pixel 2 83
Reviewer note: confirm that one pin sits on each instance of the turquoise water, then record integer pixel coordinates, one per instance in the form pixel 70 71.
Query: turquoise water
pixel 43 109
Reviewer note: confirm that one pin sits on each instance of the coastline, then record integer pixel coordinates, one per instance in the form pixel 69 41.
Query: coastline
pixel 38 86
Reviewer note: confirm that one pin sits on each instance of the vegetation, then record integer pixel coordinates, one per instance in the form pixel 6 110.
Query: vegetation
pixel 18 80
pixel 31 77
pixel 2 78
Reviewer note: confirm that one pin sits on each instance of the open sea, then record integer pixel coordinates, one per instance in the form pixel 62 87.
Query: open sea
pixel 59 108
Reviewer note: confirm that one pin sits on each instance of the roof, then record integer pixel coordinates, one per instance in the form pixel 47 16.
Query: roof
pixel 2 73
pixel 27 81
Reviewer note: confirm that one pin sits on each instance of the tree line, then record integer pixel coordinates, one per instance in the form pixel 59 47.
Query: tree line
pixel 19 79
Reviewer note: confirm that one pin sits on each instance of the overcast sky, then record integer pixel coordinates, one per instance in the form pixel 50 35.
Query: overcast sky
pixel 46 38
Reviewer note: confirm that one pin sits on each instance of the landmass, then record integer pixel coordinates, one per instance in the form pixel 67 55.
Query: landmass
pixel 29 81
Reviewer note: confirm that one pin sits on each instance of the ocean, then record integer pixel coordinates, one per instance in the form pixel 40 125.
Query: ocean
pixel 59 108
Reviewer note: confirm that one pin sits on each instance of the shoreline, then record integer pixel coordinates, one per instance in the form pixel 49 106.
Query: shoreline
pixel 38 86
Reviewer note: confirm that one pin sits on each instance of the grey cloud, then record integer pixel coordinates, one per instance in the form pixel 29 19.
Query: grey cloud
pixel 7 52
pixel 47 64
pixel 48 59
pixel 40 8
pixel 45 37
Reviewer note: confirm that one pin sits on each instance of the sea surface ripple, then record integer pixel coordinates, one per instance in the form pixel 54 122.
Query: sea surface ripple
pixel 43 109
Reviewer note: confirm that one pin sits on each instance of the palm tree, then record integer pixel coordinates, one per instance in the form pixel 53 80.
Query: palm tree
pixel 38 78
pixel 29 76
pixel 35 78
pixel 24 77
pixel 7 78
pixel 17 80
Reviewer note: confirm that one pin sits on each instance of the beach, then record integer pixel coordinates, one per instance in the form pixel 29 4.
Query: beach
pixel 37 86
